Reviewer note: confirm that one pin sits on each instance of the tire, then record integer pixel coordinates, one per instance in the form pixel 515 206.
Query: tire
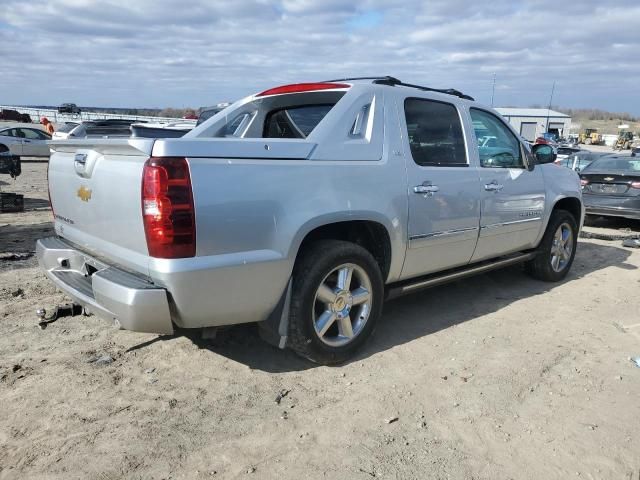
pixel 553 262
pixel 318 328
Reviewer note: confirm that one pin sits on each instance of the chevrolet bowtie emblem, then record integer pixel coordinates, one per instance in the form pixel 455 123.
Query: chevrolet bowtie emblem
pixel 84 194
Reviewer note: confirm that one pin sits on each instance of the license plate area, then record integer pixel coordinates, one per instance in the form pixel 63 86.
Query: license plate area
pixel 608 188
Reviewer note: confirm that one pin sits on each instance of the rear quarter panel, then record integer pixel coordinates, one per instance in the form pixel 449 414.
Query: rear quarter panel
pixel 252 216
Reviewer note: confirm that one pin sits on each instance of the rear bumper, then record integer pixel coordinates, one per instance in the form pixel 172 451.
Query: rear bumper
pixel 614 212
pixel 612 206
pixel 108 292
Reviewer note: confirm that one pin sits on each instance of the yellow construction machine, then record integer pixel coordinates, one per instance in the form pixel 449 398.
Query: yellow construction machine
pixel 590 137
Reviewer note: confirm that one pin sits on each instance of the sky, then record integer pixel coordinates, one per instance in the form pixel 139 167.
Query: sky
pixel 193 53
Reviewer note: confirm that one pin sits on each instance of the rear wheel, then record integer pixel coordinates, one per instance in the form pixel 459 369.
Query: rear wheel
pixel 336 301
pixel 557 249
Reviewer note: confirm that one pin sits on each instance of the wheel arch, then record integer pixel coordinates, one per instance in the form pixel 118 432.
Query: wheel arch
pixel 573 205
pixel 370 232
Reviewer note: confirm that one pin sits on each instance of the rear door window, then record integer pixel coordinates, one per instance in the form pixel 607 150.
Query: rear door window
pixel 435 133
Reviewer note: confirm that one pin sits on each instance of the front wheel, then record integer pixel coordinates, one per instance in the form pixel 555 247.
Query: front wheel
pixel 336 301
pixel 557 249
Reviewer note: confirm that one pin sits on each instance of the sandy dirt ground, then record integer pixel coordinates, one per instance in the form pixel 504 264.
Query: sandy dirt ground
pixel 496 377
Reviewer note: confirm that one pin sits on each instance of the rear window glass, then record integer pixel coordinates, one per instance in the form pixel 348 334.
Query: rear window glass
pixel 618 164
pixel 294 122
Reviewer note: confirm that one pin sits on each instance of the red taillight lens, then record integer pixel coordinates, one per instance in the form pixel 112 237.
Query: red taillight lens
pixel 167 208
pixel 635 184
pixel 302 87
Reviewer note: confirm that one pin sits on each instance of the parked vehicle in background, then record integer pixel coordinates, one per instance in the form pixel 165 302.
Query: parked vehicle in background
pixel 14 116
pixel 590 137
pixel 611 187
pixel 25 141
pixel 63 129
pixel 162 130
pixel 109 128
pixel 564 152
pixel 69 108
pixel 624 141
pixel 546 139
pixel 578 161
pixel 9 163
pixel 207 112
pixel 570 141
pixel 302 208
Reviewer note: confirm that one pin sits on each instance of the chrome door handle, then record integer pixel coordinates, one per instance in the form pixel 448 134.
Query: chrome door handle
pixel 426 189
pixel 493 187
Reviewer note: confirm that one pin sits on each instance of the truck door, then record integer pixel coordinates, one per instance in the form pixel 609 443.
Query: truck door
pixel 33 143
pixel 14 142
pixel 443 189
pixel 513 196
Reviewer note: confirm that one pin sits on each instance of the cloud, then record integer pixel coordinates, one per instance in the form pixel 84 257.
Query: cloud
pixel 169 53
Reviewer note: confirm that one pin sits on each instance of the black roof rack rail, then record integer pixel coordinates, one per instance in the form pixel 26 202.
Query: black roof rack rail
pixel 449 91
pixel 382 77
pixel 392 81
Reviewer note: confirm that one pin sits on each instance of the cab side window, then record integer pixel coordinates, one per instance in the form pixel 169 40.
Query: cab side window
pixel 30 134
pixel 497 145
pixel 435 133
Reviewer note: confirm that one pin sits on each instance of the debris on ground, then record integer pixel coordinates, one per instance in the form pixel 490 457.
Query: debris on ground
pixel 283 393
pixel 150 370
pixel 635 360
pixel 16 293
pixel 631 242
pixel 391 420
pixel 101 360
pixel 13 256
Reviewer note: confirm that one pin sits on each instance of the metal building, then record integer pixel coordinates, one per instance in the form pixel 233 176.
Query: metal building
pixel 533 122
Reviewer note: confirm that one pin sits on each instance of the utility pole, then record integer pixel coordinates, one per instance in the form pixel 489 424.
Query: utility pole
pixel 493 89
pixel 553 87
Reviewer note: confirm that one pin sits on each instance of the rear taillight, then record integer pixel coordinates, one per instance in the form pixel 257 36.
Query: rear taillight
pixel 167 208
pixel 635 184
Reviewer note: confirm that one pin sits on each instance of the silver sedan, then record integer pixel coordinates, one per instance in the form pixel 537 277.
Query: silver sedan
pixel 25 142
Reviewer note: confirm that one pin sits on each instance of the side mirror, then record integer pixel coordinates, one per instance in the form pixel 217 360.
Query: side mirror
pixel 544 153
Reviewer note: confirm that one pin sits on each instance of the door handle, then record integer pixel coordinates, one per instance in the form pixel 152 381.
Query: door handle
pixel 426 189
pixel 26 141
pixel 493 187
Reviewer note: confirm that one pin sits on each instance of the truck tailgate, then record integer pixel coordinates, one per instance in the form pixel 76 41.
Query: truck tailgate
pixel 95 189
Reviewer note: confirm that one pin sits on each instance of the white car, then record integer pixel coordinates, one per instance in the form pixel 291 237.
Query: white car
pixel 63 130
pixel 25 142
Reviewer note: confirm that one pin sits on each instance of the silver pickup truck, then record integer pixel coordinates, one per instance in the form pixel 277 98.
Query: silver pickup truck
pixel 303 208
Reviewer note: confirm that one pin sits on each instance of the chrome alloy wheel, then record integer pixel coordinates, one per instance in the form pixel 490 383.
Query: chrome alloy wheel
pixel 562 247
pixel 342 305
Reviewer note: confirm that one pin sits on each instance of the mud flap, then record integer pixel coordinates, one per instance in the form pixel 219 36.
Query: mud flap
pixel 275 328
